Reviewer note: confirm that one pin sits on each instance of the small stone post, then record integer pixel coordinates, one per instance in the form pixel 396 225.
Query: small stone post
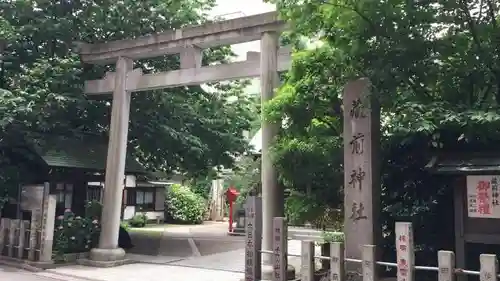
pixel 307 261
pixel 446 264
pixel 14 225
pixel 3 227
pixel 369 264
pixel 35 231
pixel 337 266
pixel 280 249
pixel 405 252
pixel 49 216
pixel 253 239
pixel 489 267
pixel 22 237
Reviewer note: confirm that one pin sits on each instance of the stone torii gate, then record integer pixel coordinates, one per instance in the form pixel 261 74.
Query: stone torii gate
pixel 189 43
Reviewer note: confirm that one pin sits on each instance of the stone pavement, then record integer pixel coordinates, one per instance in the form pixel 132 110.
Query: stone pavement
pixel 221 267
pixel 10 274
pixel 202 253
pixel 184 241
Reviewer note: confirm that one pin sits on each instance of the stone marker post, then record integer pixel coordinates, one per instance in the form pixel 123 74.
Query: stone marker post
pixel 361 168
pixel 47 236
pixel 280 249
pixel 489 267
pixel 405 251
pixel 337 269
pixel 3 238
pixel 307 261
pixel 14 225
pixel 446 264
pixel 253 239
pixel 369 263
pixel 23 226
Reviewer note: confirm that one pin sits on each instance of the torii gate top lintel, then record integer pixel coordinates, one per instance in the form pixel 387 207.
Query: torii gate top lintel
pixel 220 33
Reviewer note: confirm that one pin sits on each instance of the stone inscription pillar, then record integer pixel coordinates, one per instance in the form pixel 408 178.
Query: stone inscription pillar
pixel 361 167
pixel 272 196
pixel 115 167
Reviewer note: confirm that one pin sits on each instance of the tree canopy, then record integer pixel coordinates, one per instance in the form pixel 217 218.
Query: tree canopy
pixel 435 68
pixel 187 128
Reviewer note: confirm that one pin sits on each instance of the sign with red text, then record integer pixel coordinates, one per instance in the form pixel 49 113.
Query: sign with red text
pixel 405 252
pixel 483 199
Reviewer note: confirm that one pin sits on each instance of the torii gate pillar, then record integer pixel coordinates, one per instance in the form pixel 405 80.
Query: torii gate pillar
pixel 108 249
pixel 273 203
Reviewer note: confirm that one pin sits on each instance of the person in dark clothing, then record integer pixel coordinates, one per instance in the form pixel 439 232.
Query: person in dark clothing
pixel 124 240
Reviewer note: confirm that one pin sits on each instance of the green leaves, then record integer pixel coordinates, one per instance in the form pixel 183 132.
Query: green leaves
pixel 435 68
pixel 187 129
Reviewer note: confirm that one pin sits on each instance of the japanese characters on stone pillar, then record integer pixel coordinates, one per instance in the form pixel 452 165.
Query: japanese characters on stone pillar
pixel 280 249
pixel 361 167
pixel 405 253
pixel 337 262
pixel 369 261
pixel 253 239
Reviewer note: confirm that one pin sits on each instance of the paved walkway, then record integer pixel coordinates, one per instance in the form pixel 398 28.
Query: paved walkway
pixel 184 241
pixel 202 253
pixel 10 274
pixel 221 267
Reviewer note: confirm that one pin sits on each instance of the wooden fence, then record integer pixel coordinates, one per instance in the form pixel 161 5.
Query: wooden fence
pixel 20 239
pixel 404 246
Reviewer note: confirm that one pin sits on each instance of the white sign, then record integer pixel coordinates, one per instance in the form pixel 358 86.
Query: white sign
pixel 405 252
pixel 483 200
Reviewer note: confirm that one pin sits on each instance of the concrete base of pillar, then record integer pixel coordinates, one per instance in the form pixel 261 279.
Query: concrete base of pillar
pixel 106 257
pixel 267 272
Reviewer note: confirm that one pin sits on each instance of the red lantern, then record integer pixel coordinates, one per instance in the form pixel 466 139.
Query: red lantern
pixel 231 196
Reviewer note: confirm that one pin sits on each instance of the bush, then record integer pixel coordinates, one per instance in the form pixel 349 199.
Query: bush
pixel 74 234
pixel 329 237
pixel 125 225
pixel 183 206
pixel 139 220
pixel 93 209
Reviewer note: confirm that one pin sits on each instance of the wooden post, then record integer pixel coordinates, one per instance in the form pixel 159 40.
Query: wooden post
pixel 307 261
pixel 488 268
pixel 280 249
pixel 14 225
pixel 337 266
pixel 253 233
pixel 446 264
pixel 361 168
pixel 405 252
pixel 369 262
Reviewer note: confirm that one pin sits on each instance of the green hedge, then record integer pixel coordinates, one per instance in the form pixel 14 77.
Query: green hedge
pixel 183 205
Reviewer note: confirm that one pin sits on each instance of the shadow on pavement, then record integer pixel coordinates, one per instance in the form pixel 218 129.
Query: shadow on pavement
pixel 163 244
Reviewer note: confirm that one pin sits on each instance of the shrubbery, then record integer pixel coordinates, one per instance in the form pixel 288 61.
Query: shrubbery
pixel 138 220
pixel 183 205
pixel 74 234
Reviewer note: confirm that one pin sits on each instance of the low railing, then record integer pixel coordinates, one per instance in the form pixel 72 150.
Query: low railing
pixel 19 239
pixel 368 264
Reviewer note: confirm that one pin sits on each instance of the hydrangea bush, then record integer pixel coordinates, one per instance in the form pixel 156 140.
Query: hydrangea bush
pixel 74 234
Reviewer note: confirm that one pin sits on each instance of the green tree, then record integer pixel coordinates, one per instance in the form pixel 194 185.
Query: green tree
pixel 435 69
pixel 184 128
